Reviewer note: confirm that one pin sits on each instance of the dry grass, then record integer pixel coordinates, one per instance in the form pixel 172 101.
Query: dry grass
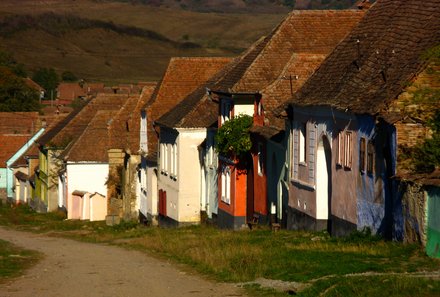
pixel 102 55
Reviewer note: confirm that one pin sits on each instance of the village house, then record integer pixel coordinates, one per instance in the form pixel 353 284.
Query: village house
pixel 124 156
pixel 174 162
pixel 16 130
pixel 346 123
pixel 85 169
pixel 53 142
pixel 24 174
pixel 252 189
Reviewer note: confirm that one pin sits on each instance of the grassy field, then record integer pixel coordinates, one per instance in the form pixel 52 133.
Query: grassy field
pixel 14 260
pixel 266 263
pixel 96 54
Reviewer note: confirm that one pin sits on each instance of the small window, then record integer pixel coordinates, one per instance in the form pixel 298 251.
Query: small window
pixel 260 159
pixel 175 159
pixel 370 157
pixel 226 185
pixel 165 158
pixel 225 111
pixel 302 143
pixel 362 154
pixel 348 150
pixel 340 159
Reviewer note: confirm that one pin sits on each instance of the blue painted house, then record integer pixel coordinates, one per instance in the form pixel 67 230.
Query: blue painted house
pixel 349 119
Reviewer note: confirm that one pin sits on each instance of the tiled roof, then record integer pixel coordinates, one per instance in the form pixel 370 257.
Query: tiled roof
pixel 31 152
pixel 295 47
pixel 70 91
pixel 120 126
pixel 125 125
pixel 19 122
pixel 33 85
pixel 379 58
pixel 9 145
pixel 182 77
pixel 75 123
pixel 93 143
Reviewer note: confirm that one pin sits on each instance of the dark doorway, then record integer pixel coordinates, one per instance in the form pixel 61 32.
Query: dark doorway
pixel 250 190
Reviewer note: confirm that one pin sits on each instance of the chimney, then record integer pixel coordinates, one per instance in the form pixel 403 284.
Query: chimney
pixel 364 4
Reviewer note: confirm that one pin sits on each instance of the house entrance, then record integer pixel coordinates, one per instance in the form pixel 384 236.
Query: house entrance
pixel 324 182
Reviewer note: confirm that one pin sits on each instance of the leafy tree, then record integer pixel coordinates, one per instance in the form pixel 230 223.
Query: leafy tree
pixel 426 156
pixel 7 60
pixel 233 137
pixel 15 95
pixel 48 79
pixel 68 76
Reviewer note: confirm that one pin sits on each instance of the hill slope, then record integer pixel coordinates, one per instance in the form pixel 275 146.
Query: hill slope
pixel 132 40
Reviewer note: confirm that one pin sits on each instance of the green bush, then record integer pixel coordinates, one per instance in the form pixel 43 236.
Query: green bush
pixel 233 137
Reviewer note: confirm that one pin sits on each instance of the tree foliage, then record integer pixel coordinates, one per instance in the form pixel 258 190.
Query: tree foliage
pixel 68 76
pixel 48 79
pixel 233 137
pixel 15 95
pixel 425 157
pixel 8 61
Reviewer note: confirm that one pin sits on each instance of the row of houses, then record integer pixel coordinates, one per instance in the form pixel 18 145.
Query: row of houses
pixel 328 94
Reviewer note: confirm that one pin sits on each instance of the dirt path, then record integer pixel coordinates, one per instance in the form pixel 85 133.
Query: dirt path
pixel 72 268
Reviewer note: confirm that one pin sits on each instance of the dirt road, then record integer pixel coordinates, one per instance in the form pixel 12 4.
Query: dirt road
pixel 77 269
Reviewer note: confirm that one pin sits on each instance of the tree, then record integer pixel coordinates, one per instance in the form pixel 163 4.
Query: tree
pixel 68 76
pixel 48 79
pixel 15 95
pixel 8 61
pixel 233 137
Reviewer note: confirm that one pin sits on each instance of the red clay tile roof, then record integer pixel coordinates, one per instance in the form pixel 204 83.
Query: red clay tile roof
pixel 120 130
pixel 31 152
pixel 75 123
pixel 182 77
pixel 33 85
pixel 19 122
pixel 125 125
pixel 295 47
pixel 9 145
pixel 93 143
pixel 69 91
pixel 379 58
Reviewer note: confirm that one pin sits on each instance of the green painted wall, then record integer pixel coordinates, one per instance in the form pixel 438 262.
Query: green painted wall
pixel 433 225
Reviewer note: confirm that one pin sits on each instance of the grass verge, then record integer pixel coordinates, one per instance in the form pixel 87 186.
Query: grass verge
pixel 307 264
pixel 14 260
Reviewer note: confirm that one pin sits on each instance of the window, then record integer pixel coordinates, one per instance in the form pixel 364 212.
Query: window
pixel 260 159
pixel 259 108
pixel 340 159
pixel 225 111
pixel 362 152
pixel 348 149
pixel 165 158
pixel 302 143
pixel 162 157
pixel 370 157
pixel 174 159
pixel 345 147
pixel 226 185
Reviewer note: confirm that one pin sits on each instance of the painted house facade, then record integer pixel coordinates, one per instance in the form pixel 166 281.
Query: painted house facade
pixel 169 164
pixel 344 123
pixel 53 143
pixel 265 77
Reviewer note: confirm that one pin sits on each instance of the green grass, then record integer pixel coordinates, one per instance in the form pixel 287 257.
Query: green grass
pixel 14 260
pixel 321 264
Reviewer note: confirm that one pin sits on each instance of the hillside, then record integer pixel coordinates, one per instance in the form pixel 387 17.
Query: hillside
pixel 131 40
